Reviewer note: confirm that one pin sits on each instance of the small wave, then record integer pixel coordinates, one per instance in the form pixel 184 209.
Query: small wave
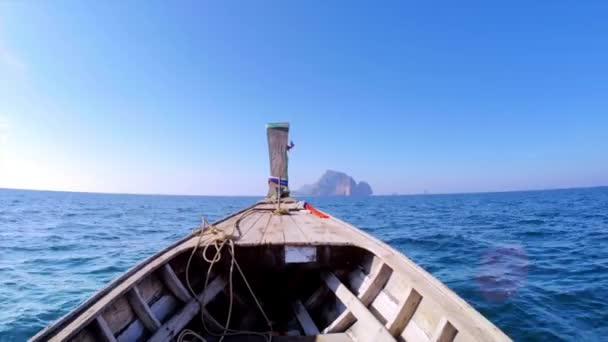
pixel 533 233
pixel 65 247
pixel 108 269
pixel 401 241
pixel 536 222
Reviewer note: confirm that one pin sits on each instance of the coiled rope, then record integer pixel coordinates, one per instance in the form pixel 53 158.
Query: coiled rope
pixel 209 236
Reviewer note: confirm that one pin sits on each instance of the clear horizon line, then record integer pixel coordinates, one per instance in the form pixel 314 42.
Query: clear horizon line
pixel 263 196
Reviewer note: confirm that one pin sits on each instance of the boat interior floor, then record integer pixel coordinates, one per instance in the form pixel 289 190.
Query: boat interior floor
pixel 289 293
pixel 292 296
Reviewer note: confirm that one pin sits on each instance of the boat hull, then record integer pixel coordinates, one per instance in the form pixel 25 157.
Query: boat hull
pixel 290 274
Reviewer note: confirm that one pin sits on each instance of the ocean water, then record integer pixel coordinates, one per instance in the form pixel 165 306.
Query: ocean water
pixel 535 263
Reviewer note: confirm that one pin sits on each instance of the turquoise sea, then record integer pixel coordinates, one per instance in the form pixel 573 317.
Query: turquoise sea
pixel 535 263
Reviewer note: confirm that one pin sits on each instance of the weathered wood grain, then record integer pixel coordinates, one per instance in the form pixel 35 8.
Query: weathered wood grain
pixel 118 314
pixel 273 234
pixel 304 319
pixel 162 309
pixel 445 332
pixel 174 284
pixel 368 290
pixel 142 310
pixel 320 338
pixel 105 332
pixel 174 325
pixel 374 329
pixel 405 312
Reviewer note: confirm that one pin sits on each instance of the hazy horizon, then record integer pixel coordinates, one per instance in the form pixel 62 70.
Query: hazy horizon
pixel 410 97
pixel 263 195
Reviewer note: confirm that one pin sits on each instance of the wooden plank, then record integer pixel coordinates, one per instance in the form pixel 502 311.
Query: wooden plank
pixel 118 314
pixel 142 310
pixel 308 325
pixel 88 334
pixel 293 232
pixel 405 312
pixel 358 280
pixel 174 284
pixel 104 330
pixel 174 325
pixel 213 288
pixel 317 297
pixel 317 230
pixel 413 333
pixel 245 222
pixel 273 206
pixel 445 332
pixel 273 234
pixel 383 307
pixel 162 309
pixel 378 281
pixel 254 234
pixel 133 332
pixel 320 338
pixel 375 329
pixel 150 288
pixel 341 323
pixel 370 289
pixel 235 225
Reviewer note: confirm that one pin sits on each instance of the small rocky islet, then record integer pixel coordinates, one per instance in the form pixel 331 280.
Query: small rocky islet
pixel 335 183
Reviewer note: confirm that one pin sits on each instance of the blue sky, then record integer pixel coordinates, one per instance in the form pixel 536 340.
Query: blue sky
pixel 172 97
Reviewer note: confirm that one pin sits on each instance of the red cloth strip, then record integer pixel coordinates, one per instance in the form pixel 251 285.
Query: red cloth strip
pixel 315 211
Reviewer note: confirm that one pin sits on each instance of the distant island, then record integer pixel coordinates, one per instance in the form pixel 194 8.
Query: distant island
pixel 335 183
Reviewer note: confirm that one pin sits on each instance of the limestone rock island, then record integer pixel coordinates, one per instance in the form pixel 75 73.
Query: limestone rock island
pixel 335 183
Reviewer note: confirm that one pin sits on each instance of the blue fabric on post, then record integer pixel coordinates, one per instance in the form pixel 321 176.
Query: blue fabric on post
pixel 275 180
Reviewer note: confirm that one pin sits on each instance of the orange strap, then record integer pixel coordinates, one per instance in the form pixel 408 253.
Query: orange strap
pixel 315 211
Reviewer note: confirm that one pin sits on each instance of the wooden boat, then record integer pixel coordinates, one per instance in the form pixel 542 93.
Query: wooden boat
pixel 279 270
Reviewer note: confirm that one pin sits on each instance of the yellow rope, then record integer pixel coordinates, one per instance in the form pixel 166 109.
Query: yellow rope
pixel 218 239
pixel 186 332
pixel 281 211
